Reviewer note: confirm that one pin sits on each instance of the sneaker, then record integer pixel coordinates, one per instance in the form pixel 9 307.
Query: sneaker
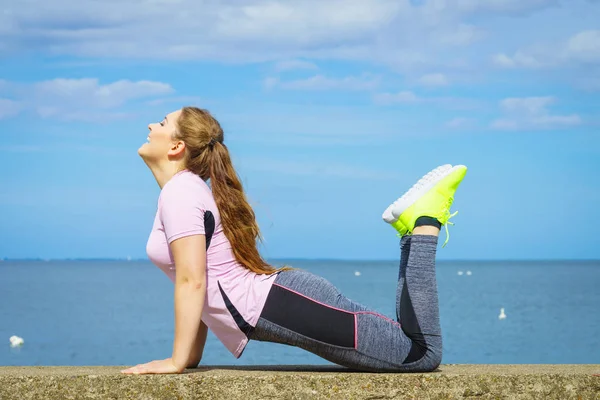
pixel 431 196
pixel 391 214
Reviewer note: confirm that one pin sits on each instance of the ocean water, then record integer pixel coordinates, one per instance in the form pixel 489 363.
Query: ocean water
pixel 121 313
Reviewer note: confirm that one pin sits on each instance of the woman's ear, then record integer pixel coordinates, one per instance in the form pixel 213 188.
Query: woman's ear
pixel 177 148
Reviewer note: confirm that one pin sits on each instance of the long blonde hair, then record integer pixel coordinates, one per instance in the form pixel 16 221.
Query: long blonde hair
pixel 208 157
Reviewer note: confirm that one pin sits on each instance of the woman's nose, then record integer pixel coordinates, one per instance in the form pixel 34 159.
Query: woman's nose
pixel 149 127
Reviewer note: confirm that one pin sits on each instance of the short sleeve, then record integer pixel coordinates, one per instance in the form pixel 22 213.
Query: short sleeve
pixel 181 211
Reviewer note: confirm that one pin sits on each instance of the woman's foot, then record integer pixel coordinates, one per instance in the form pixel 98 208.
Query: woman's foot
pixel 431 196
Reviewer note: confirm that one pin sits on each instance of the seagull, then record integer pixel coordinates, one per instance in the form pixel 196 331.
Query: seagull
pixel 356 273
pixel 460 272
pixel 502 315
pixel 16 341
pixel 468 272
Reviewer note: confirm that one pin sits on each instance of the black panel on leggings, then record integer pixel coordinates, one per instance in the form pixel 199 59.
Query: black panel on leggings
pixel 309 318
pixel 411 327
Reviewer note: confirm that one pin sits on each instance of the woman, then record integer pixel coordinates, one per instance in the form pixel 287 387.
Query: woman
pixel 208 235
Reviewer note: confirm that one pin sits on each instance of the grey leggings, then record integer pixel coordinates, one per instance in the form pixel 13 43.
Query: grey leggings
pixel 307 311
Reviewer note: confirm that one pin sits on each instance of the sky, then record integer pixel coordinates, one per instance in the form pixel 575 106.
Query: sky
pixel 331 109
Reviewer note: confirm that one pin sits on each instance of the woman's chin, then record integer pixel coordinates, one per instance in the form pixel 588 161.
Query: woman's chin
pixel 143 150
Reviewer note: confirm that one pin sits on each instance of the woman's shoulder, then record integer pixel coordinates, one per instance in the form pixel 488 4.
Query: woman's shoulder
pixel 185 184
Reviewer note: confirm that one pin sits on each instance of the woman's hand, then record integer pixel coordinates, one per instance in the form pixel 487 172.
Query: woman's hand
pixel 165 366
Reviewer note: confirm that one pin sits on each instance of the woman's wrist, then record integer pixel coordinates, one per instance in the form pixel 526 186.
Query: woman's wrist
pixel 179 363
pixel 193 360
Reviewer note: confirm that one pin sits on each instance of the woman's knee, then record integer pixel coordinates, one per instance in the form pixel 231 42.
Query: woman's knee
pixel 430 360
pixel 434 352
pixel 433 358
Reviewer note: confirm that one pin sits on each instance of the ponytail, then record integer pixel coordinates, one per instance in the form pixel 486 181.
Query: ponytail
pixel 209 158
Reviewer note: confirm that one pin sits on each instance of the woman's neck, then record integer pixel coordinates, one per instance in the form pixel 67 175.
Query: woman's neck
pixel 164 172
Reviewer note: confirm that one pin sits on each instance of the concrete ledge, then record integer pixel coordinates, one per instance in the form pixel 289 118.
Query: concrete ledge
pixel 305 382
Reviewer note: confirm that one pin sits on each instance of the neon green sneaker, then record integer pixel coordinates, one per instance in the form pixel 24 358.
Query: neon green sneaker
pixel 431 196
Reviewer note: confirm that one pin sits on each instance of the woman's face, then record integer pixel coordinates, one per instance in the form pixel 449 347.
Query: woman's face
pixel 160 143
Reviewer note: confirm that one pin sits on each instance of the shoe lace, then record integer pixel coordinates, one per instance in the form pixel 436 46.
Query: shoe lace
pixel 447 213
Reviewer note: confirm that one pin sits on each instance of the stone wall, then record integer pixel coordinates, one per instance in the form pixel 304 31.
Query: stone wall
pixel 304 382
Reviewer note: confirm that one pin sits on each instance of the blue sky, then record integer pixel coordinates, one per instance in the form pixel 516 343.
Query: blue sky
pixel 331 109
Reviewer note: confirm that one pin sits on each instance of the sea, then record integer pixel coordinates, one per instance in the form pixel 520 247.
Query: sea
pixel 119 312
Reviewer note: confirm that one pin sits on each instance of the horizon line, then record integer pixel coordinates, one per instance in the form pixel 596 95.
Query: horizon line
pixel 131 259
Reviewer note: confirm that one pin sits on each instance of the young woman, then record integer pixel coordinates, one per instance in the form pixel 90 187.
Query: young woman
pixel 204 239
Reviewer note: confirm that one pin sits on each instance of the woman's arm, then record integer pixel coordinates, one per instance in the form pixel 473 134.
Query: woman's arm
pixel 196 354
pixel 189 254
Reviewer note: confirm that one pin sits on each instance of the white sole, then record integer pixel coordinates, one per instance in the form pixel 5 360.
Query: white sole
pixel 423 185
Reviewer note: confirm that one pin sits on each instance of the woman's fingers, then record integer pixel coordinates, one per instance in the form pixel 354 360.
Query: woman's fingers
pixel 137 369
pixel 141 368
pixel 165 366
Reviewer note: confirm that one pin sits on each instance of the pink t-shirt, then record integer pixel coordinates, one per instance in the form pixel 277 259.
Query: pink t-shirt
pixel 182 203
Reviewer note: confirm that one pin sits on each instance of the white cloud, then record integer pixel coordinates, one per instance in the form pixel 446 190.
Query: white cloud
pixel 513 7
pixel 581 48
pixel 103 96
pixel 306 21
pixel 502 60
pixel 437 79
pixel 409 97
pixel 585 46
pixel 321 82
pixel 450 37
pixel 404 96
pixel 9 108
pixel 532 113
pixel 83 99
pixel 461 35
pixel 225 30
pixel 379 31
pixel 288 65
pixel 459 122
pixel 519 59
pixel 270 82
